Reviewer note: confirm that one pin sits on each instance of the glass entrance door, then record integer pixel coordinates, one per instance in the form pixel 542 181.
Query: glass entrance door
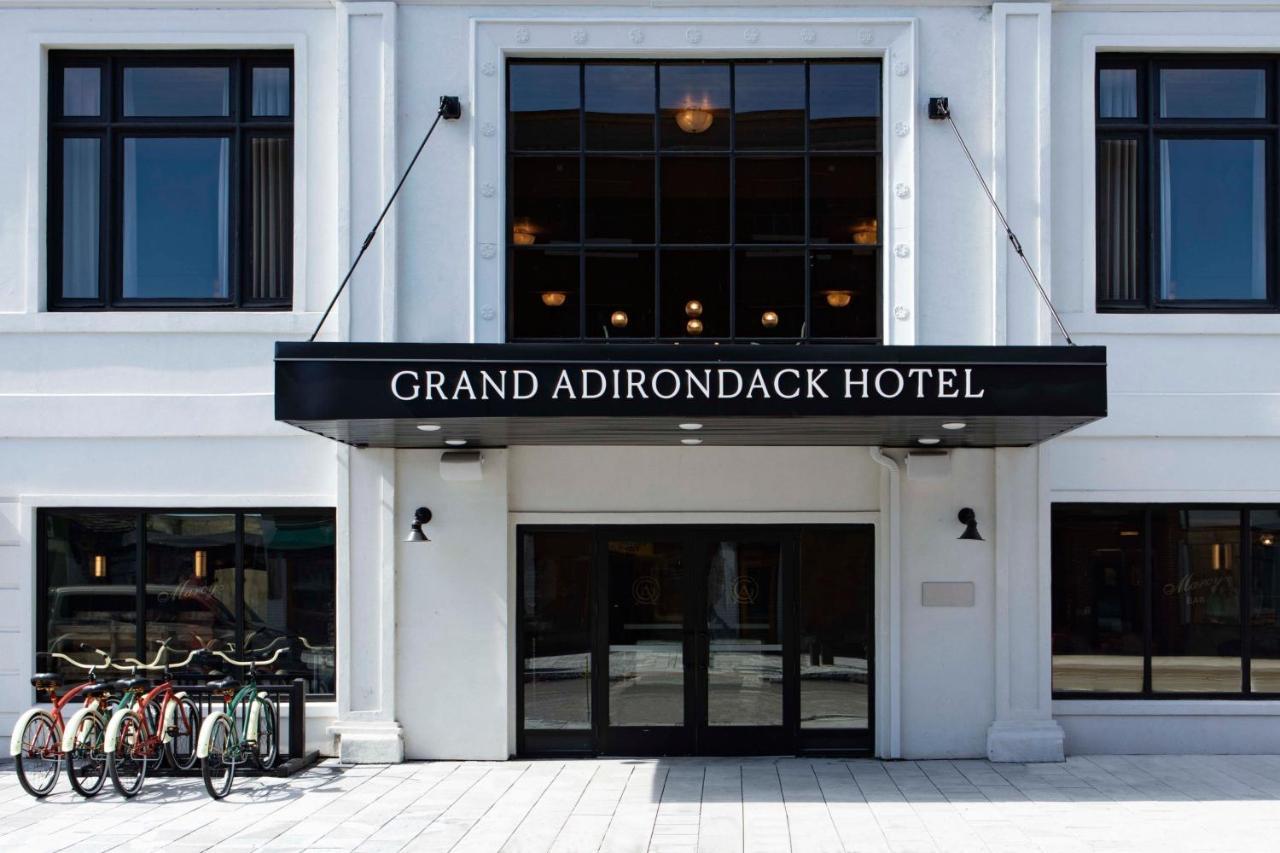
pixel 727 640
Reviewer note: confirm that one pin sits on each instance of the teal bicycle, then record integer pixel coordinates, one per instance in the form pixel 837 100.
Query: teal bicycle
pixel 245 732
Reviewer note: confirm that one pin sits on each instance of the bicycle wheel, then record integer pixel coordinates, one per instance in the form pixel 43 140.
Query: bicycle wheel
pixel 39 759
pixel 268 745
pixel 87 761
pixel 127 763
pixel 180 751
pixel 219 767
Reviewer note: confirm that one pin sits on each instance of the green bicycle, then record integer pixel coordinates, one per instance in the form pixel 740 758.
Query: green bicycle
pixel 243 733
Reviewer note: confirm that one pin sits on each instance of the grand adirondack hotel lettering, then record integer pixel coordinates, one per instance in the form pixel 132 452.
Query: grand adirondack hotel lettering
pixel 703 383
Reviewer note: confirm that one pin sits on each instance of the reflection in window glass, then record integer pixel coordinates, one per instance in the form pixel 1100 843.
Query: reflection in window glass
pixel 176 218
pixel 1098 557
pixel 91 564
pixel 81 92
pixel 695 294
pixel 546 299
pixel 835 628
pixel 191 581
pixel 1213 212
pixel 546 193
pixel 544 103
pixel 646 633
pixel 1118 93
pixel 744 634
pixel 695 106
pixel 1213 93
pixel 271 95
pixel 189 587
pixel 768 105
pixel 556 611
pixel 81 210
pixel 1264 601
pixel 177 92
pixel 844 285
pixel 620 294
pixel 770 298
pixel 844 105
pixel 619 200
pixel 619 107
pixel 717 218
pixel 289 578
pixel 770 200
pixel 695 200
pixel 1195 618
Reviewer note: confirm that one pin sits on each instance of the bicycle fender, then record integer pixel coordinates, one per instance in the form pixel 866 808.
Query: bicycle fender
pixel 71 734
pixel 170 711
pixel 15 742
pixel 113 728
pixel 206 732
pixel 255 712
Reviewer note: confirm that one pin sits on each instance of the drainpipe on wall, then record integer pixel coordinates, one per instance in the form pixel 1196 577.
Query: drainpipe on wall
pixel 891 610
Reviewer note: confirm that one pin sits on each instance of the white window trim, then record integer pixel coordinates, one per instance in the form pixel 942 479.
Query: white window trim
pixel 37 318
pixel 1090 321
pixel 494 41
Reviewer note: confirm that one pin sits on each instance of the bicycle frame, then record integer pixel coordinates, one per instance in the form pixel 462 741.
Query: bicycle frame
pixel 242 725
pixel 136 700
pixel 59 725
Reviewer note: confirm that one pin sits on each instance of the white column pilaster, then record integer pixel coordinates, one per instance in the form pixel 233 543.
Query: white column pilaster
pixel 1024 729
pixel 367 729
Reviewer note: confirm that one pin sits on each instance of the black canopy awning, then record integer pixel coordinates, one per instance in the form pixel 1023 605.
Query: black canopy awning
pixel 496 395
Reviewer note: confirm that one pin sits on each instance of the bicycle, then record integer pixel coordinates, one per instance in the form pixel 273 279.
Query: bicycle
pixel 142 733
pixel 245 731
pixel 40 736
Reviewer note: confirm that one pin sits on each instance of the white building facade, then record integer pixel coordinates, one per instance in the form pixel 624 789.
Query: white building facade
pixel 640 587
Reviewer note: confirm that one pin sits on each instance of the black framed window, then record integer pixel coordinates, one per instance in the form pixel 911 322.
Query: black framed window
pixel 170 180
pixel 253 581
pixel 710 200
pixel 1186 151
pixel 1166 601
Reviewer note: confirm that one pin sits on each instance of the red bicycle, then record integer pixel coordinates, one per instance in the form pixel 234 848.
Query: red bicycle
pixel 36 745
pixel 151 724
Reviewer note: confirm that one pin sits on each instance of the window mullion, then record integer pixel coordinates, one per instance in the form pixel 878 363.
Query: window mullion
pixel 1148 610
pixel 1245 601
pixel 140 605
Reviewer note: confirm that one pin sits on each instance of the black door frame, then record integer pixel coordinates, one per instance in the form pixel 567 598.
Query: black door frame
pixel 694 736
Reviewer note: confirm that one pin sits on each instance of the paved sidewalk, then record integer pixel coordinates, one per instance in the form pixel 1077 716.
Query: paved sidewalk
pixel 1101 803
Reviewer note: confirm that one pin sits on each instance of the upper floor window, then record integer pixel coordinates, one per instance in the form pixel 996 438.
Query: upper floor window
pixel 1186 198
pixel 694 200
pixel 170 180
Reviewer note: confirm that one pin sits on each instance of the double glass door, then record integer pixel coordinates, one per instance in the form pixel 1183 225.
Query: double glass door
pixel 682 640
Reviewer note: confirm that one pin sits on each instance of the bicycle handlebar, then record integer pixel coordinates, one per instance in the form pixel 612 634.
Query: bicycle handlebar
pixel 89 666
pixel 252 663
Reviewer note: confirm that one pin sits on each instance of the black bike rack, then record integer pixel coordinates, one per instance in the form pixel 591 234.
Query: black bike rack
pixel 294 756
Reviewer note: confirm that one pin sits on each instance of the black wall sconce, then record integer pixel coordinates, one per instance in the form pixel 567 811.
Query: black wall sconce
pixel 421 516
pixel 969 519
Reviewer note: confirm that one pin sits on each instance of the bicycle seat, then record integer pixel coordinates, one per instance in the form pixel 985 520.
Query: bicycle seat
pixel 137 682
pixel 94 688
pixel 228 683
pixel 46 679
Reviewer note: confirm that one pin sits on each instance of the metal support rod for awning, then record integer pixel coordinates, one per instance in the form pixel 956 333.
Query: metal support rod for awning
pixel 450 109
pixel 940 110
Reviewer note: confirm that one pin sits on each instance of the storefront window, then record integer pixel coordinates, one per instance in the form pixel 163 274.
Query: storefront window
pixel 179 569
pixel 1165 600
pixel 694 200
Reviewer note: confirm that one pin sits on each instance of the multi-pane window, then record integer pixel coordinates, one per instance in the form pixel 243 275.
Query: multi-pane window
pixel 694 200
pixel 249 582
pixel 1185 182
pixel 170 180
pixel 1166 600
